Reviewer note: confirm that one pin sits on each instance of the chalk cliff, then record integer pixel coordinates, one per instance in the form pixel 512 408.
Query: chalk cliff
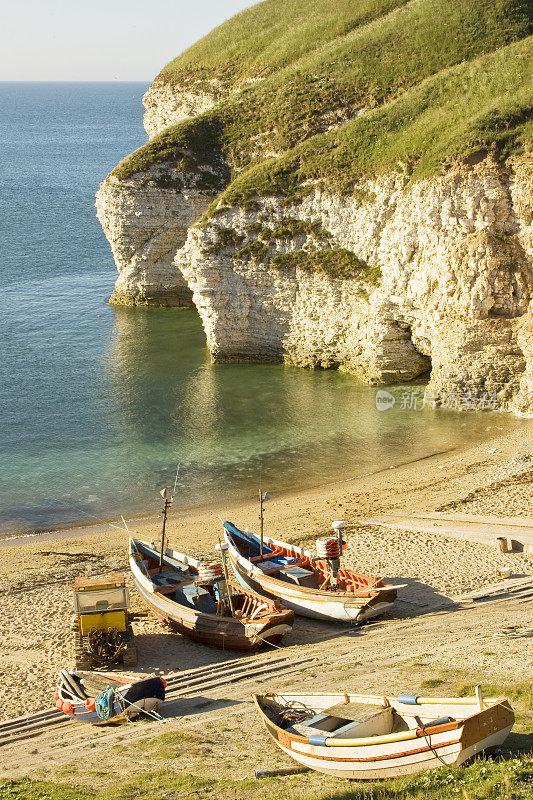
pixel 320 210
pixel 145 224
pixel 455 269
pixel 146 218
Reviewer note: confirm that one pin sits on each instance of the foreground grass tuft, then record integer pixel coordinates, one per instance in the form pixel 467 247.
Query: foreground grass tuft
pixel 520 694
pixel 482 780
pixel 27 789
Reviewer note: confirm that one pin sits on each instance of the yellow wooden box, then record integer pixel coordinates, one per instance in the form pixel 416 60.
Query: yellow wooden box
pixel 100 620
pixel 101 602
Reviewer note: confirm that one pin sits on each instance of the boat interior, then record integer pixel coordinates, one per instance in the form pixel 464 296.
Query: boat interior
pixel 348 721
pixel 286 564
pixel 179 582
pixel 77 683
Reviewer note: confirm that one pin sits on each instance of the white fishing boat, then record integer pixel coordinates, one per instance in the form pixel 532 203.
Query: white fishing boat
pixel 363 736
pixel 311 585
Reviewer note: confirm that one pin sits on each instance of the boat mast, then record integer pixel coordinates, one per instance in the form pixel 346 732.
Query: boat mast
pixel 263 496
pixel 168 497
pixel 226 576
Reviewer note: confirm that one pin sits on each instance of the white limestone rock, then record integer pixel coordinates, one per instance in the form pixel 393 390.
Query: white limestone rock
pixel 166 104
pixel 145 221
pixel 455 260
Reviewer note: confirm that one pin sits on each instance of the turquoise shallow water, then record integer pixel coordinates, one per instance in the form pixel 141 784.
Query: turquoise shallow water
pixel 97 406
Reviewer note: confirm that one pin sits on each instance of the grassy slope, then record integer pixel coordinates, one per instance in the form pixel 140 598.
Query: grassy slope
pixel 372 65
pixel 367 67
pixel 483 780
pixel 268 36
pixel 486 103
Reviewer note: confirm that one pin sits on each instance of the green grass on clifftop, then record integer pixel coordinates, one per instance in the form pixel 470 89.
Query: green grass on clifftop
pixel 184 147
pixel 341 75
pixel 368 67
pixel 268 36
pixel 484 104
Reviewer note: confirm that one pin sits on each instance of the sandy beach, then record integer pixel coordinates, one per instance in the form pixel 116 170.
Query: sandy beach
pixel 495 476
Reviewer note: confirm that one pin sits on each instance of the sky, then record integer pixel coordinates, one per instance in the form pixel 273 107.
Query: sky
pixel 102 40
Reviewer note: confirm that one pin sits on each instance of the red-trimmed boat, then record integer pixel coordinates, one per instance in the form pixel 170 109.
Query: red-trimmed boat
pixel 367 737
pixel 304 581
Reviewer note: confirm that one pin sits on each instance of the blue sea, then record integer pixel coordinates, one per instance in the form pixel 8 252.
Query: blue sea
pixel 98 406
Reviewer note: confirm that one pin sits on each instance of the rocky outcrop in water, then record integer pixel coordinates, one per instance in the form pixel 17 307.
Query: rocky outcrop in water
pixel 145 220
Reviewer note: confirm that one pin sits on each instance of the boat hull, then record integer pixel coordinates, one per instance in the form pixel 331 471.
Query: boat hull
pixel 449 744
pixel 391 765
pixel 216 633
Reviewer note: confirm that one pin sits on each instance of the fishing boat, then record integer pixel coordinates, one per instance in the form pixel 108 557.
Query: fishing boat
pixel 360 736
pixel 198 600
pixel 313 584
pixel 100 698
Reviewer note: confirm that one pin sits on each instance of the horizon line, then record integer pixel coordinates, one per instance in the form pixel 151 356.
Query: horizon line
pixel 112 80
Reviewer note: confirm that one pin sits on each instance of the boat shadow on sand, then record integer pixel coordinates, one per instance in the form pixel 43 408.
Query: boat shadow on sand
pixel 168 652
pixel 416 599
pixel 190 706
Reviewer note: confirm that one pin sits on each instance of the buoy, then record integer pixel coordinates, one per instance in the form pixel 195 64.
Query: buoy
pixel 328 548
pixel 59 704
pixel 67 707
pixel 210 571
pixel 90 705
pixel 56 694
pixel 164 682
